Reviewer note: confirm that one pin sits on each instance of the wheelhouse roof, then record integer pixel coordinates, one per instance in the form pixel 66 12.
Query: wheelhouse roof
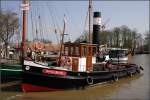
pixel 78 44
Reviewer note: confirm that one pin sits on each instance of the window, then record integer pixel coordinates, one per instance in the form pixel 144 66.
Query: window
pixel 89 51
pixel 77 51
pixel 84 51
pixel 94 51
pixel 72 50
pixel 66 51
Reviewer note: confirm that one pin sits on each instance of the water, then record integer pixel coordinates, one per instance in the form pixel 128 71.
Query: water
pixel 132 88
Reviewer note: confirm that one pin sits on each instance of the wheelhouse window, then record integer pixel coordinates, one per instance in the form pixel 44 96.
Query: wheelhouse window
pixel 72 50
pixel 90 51
pixel 80 50
pixel 77 53
pixel 94 51
pixel 66 51
pixel 84 52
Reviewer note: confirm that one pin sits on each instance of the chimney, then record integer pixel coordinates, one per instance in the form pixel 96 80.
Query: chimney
pixel 96 27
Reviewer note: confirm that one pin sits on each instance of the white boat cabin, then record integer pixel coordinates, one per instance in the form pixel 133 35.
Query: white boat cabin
pixel 117 55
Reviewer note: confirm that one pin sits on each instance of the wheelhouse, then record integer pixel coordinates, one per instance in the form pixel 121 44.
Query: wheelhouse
pixel 82 55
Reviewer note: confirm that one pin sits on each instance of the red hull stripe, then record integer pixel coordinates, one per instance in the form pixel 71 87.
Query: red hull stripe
pixel 34 88
pixel 55 72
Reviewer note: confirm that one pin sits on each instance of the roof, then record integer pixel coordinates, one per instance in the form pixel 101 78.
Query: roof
pixel 77 44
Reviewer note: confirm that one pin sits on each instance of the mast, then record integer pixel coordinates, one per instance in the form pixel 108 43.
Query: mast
pixel 62 41
pixel 25 7
pixel 90 9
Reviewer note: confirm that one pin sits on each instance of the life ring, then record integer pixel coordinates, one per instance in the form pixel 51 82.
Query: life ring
pixel 65 61
pixel 68 61
pixel 27 67
pixel 62 61
pixel 89 80
pixel 39 45
pixel 115 77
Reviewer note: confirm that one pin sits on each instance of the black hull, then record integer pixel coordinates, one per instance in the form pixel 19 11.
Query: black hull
pixel 72 80
pixel 53 82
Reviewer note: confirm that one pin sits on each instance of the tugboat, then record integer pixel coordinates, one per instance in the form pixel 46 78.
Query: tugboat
pixel 76 67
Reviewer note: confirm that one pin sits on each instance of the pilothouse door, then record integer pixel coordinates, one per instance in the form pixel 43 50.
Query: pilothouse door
pixel 89 59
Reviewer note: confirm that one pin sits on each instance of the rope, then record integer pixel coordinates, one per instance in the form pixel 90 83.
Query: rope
pixel 32 25
pixel 36 25
pixel 55 24
pixel 49 14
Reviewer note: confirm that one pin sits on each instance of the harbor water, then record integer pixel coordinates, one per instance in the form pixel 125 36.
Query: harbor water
pixel 131 88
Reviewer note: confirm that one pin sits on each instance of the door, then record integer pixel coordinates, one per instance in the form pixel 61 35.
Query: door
pixel 89 59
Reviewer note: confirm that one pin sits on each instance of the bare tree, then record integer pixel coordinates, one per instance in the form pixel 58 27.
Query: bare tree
pixel 116 36
pixel 122 36
pixel 147 41
pixel 8 27
pixel 104 37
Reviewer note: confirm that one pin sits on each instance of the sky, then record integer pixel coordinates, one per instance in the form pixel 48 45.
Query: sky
pixel 134 14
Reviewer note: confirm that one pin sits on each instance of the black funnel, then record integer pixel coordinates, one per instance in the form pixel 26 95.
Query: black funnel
pixel 96 27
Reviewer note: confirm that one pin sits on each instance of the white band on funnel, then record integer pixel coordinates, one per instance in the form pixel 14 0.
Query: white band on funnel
pixel 97 21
